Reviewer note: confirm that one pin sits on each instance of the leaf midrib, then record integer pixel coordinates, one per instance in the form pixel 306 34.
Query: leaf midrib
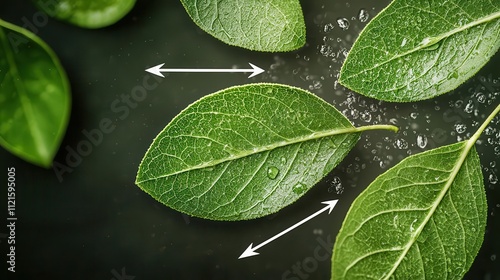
pixel 309 137
pixel 458 165
pixel 424 44
pixel 467 146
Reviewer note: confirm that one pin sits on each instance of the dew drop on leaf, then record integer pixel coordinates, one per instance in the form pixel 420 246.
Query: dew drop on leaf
pixel 363 15
pixel 453 75
pixel 299 188
pixel 343 23
pixel 403 43
pixel 272 172
pixel 283 160
pixel 332 144
pixel 432 47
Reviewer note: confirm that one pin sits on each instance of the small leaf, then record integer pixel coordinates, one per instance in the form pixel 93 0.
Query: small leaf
pixel 87 14
pixel 415 50
pixel 263 25
pixel 34 96
pixel 424 218
pixel 245 152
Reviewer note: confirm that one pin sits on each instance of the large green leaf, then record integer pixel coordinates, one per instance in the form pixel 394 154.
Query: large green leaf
pixel 87 14
pixel 245 152
pixel 418 49
pixel 262 25
pixel 424 218
pixel 34 96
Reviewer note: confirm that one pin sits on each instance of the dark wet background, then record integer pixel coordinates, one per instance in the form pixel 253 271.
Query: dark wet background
pixel 94 223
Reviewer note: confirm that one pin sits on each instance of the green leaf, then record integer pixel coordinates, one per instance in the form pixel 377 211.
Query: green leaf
pixel 424 218
pixel 415 50
pixel 34 96
pixel 262 25
pixel 246 152
pixel 87 14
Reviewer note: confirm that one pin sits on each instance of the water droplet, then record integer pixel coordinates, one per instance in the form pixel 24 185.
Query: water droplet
pixel 430 43
pixel 315 85
pixel 299 188
pixel 366 116
pixel 422 141
pixel 489 131
pixel 272 172
pixel 403 43
pixel 460 128
pixel 283 160
pixel 363 15
pixel 343 23
pixel 401 144
pixel 453 75
pixel 493 179
pixel 432 47
pixel 326 50
pixel 493 257
pixel 469 107
pixel 328 27
pixel 412 228
pixel 332 144
pixel 481 97
pixel 336 185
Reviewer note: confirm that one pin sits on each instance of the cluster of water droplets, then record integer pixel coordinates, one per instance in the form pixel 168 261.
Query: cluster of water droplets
pixel 336 186
pixel 337 36
pixel 423 125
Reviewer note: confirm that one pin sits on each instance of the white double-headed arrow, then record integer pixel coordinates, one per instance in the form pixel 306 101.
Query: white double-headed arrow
pixel 157 70
pixel 250 251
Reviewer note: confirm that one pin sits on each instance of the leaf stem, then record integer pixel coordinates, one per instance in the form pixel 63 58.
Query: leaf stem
pixel 377 127
pixel 480 130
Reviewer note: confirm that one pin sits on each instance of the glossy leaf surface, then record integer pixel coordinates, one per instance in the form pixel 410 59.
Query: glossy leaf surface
pixel 424 218
pixel 245 152
pixel 87 14
pixel 34 96
pixel 415 50
pixel 261 25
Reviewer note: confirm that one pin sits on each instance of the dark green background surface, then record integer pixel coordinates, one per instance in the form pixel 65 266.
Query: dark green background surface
pixel 96 224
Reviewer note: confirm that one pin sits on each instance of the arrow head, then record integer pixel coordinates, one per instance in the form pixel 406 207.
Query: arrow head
pixel 256 70
pixel 248 252
pixel 331 204
pixel 156 70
